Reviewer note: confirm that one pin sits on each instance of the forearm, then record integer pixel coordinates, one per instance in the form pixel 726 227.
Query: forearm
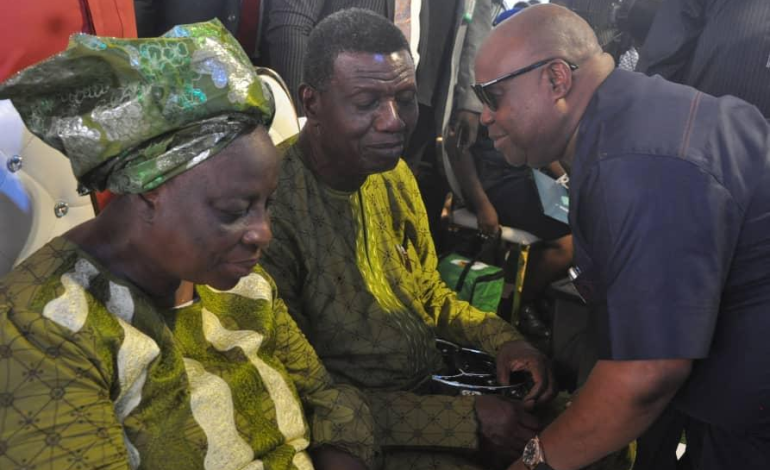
pixel 398 414
pixel 454 319
pixel 465 170
pixel 618 402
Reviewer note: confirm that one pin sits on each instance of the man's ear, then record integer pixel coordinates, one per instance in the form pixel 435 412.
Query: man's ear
pixel 310 98
pixel 560 78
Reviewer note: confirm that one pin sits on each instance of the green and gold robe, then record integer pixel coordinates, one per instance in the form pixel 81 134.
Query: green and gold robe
pixel 358 273
pixel 94 375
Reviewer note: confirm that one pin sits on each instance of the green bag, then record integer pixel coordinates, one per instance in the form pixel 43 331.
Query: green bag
pixel 478 283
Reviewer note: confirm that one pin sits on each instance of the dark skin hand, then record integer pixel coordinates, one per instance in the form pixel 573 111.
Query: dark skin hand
pixel 329 458
pixel 617 403
pixel 520 355
pixel 505 426
pixel 486 217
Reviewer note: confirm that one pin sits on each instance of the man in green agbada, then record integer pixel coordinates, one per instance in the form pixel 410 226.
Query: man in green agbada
pixel 353 258
pixel 146 338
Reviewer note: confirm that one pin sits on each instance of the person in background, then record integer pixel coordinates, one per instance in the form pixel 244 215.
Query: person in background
pixel 428 25
pixel 500 194
pixel 669 215
pixel 353 258
pixel 146 337
pixel 154 17
pixel 243 18
pixel 719 47
pixel 32 30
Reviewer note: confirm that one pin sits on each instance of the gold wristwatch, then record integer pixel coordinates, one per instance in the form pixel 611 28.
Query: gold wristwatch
pixel 533 456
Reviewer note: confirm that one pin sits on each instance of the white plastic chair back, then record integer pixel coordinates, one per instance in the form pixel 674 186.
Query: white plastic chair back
pixel 38 193
pixel 285 124
pixel 467 219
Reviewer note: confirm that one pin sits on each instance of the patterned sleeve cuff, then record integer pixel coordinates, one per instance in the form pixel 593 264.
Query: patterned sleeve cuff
pixel 341 419
pixel 407 420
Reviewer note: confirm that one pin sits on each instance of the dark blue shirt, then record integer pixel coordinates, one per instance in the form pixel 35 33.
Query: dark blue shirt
pixel 670 212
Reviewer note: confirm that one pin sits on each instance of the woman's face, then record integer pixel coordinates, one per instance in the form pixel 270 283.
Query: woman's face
pixel 210 224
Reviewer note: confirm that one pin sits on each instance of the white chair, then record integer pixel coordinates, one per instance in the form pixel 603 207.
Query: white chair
pixel 38 193
pixel 466 219
pixel 285 123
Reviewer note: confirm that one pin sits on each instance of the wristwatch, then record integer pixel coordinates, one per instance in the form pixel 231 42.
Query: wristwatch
pixel 533 456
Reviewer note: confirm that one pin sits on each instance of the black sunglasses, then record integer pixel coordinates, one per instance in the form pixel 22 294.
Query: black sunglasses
pixel 488 99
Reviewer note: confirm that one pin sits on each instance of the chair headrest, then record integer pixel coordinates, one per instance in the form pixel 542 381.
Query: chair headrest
pixel 285 123
pixel 38 192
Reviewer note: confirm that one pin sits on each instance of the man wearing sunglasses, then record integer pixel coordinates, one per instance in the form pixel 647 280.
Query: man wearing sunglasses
pixel 670 214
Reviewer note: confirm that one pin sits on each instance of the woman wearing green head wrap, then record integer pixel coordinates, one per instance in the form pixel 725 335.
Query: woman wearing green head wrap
pixel 146 337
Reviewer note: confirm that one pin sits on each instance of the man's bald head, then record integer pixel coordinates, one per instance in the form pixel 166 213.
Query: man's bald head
pixel 537 72
pixel 542 31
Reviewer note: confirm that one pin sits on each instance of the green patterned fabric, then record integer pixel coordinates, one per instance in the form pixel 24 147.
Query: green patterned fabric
pixel 96 376
pixel 358 273
pixel 131 114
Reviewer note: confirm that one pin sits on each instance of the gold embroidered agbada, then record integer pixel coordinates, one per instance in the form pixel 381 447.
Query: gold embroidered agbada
pixel 358 273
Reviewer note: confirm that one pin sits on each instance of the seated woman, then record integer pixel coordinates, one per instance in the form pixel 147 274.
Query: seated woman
pixel 110 356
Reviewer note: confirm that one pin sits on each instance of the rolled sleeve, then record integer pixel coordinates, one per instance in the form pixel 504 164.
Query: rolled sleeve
pixel 340 418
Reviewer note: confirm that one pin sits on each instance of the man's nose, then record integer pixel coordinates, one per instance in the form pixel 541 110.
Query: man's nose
pixel 487 116
pixel 388 119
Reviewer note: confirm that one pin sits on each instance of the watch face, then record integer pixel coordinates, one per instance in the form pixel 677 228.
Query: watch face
pixel 529 454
